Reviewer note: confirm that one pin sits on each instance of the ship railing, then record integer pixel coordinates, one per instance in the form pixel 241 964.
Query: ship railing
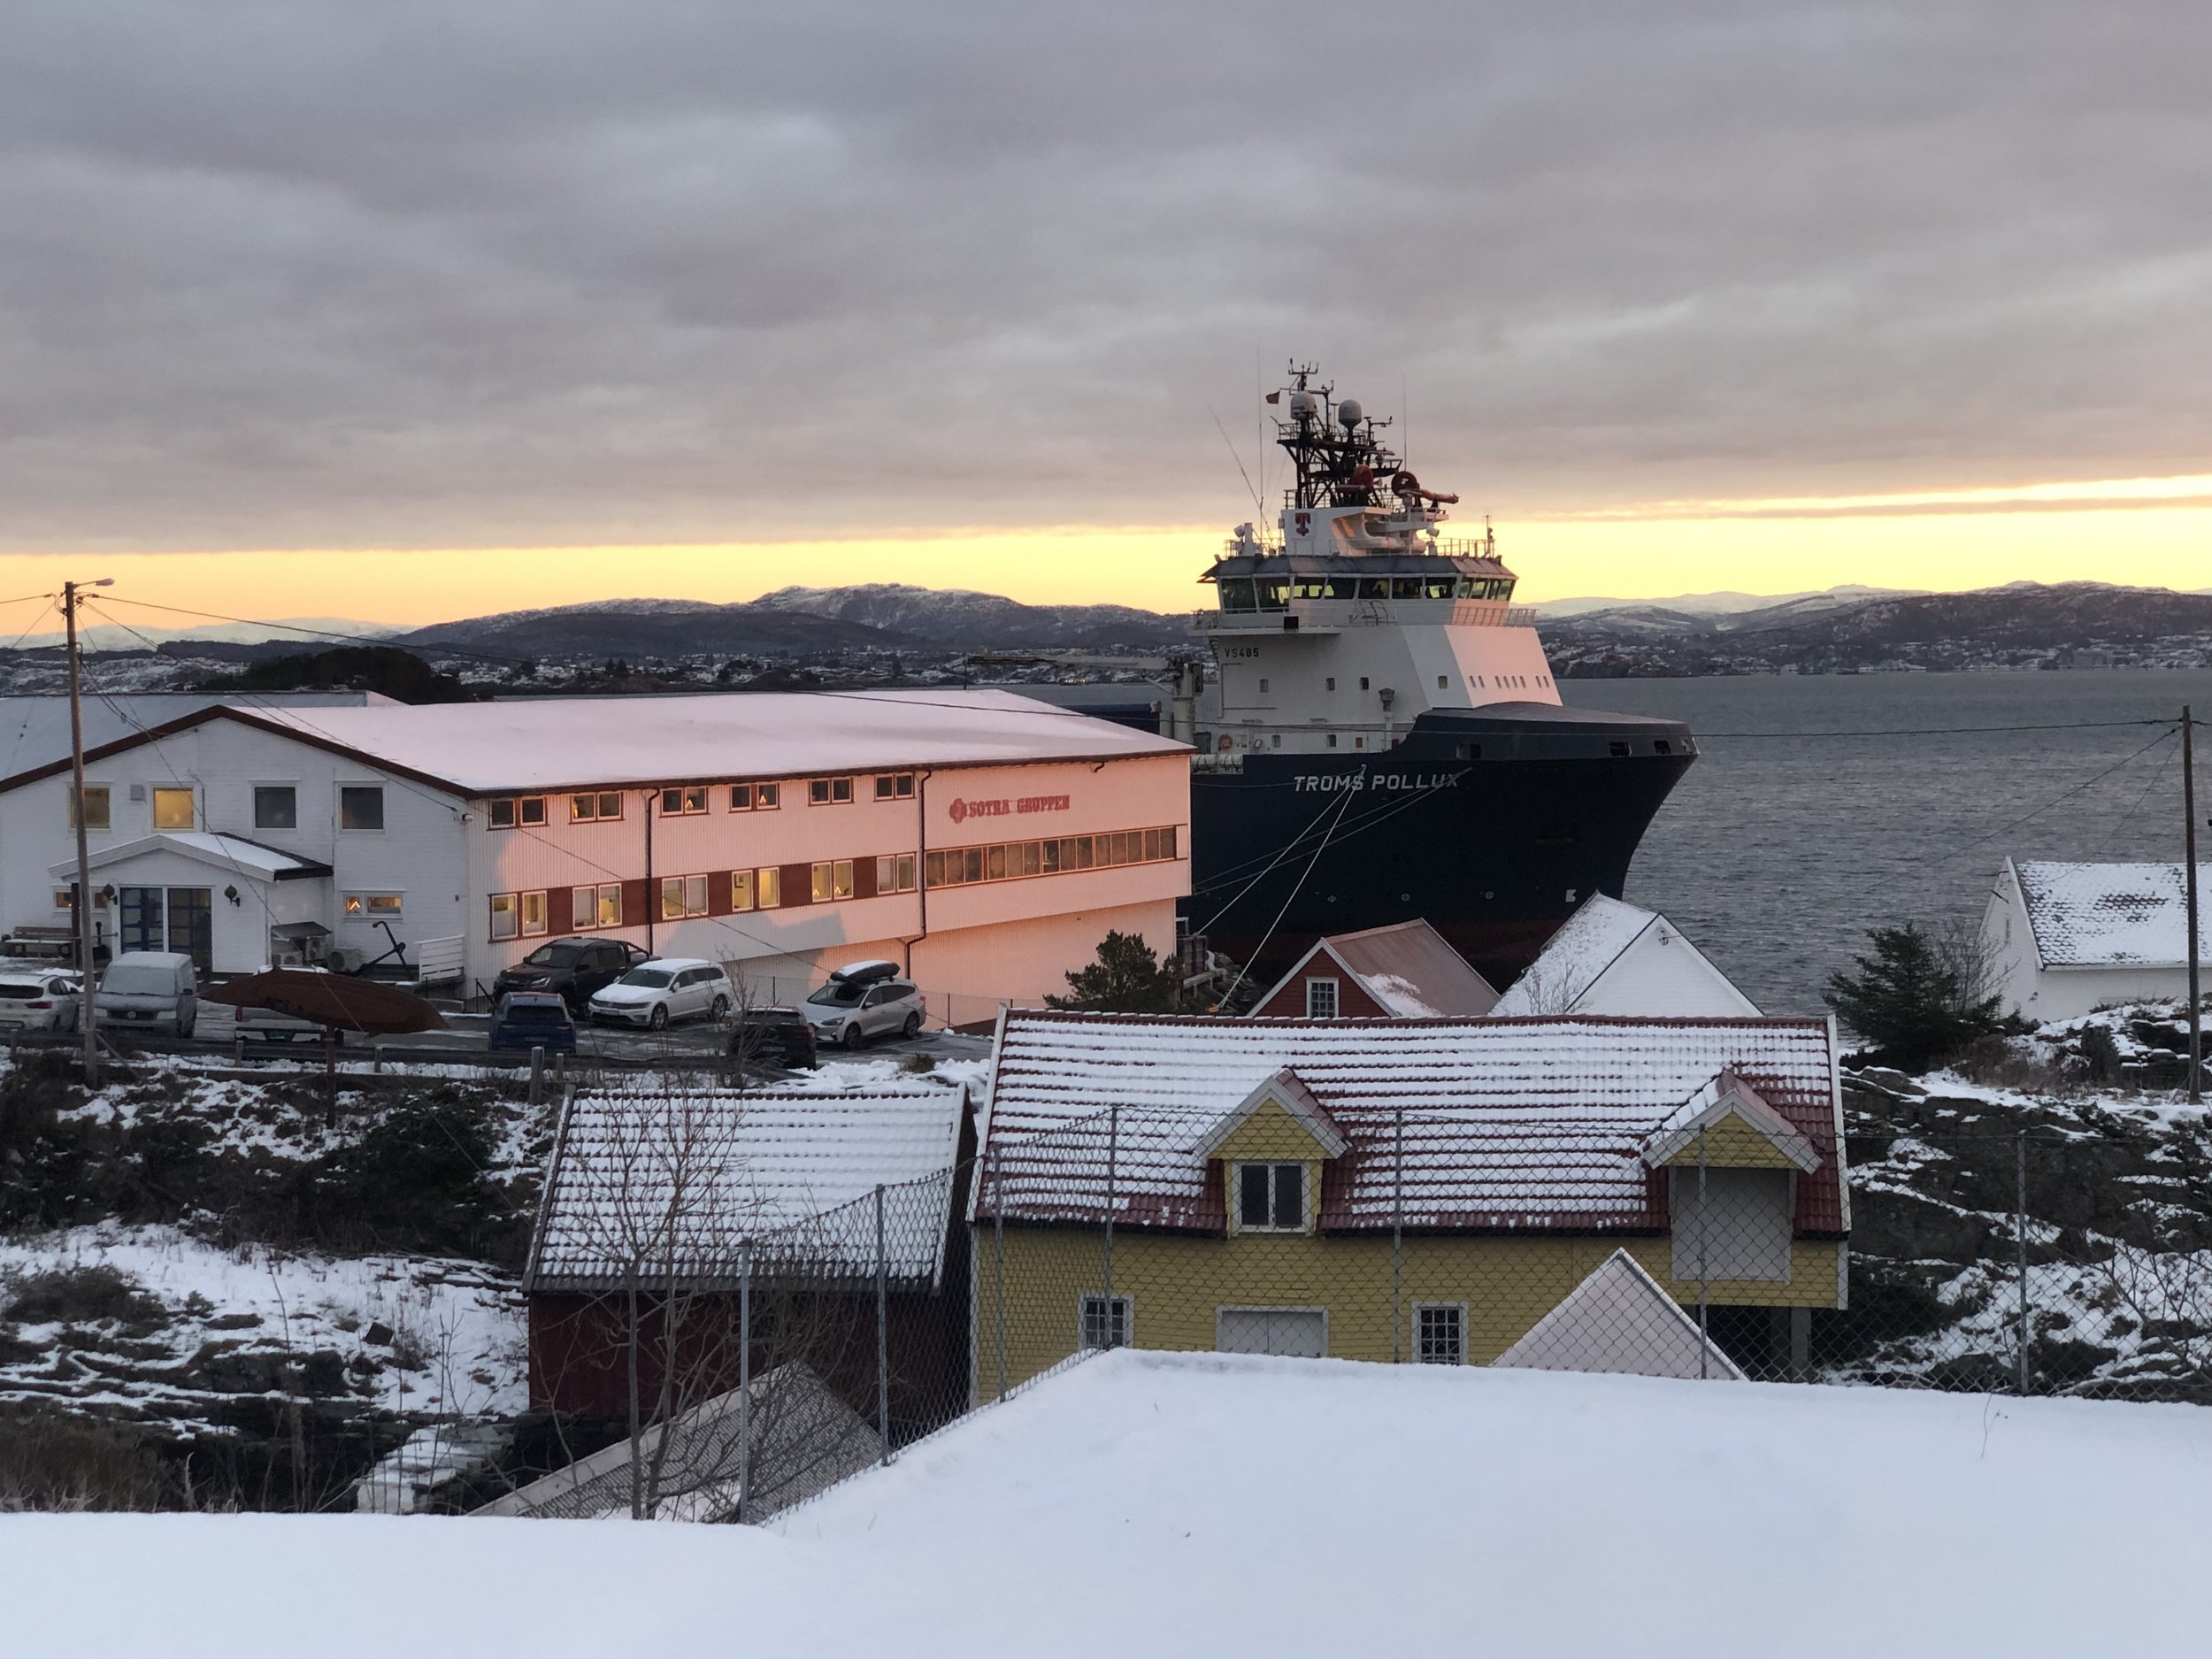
pixel 1521 617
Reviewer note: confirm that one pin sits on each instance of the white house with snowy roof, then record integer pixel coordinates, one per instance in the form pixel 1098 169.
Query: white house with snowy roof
pixel 2062 938
pixel 985 843
pixel 1614 958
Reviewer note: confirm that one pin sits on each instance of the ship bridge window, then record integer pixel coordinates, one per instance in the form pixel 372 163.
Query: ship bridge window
pixel 1405 587
pixel 1323 587
pixel 1236 594
pixel 1374 587
pixel 1273 593
pixel 1436 588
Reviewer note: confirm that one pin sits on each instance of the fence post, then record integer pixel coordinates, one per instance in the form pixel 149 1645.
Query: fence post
pixel 537 1074
pixel 998 1261
pixel 883 1338
pixel 1704 1233
pixel 1397 1230
pixel 2020 1236
pixel 1113 1154
pixel 744 1376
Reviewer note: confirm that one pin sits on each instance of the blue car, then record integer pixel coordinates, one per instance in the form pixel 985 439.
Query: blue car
pixel 534 1020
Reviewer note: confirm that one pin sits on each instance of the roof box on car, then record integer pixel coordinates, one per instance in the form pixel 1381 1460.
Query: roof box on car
pixel 866 972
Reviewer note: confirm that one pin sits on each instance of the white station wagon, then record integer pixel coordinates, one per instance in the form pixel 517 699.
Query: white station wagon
pixel 664 989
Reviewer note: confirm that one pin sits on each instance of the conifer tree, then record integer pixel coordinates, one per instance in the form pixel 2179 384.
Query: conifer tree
pixel 1915 1000
pixel 1127 978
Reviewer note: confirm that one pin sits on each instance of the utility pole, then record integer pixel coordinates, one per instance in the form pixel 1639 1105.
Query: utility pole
pixel 2189 879
pixel 87 1010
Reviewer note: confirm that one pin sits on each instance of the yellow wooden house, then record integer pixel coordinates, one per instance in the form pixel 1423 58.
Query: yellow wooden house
pixel 1411 1190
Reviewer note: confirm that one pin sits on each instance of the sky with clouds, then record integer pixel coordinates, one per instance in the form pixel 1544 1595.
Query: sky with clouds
pixel 529 273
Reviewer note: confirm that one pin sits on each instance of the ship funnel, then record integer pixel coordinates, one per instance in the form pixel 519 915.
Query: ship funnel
pixel 1349 412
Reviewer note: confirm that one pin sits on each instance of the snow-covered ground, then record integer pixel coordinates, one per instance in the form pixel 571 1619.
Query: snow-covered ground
pixel 1178 1504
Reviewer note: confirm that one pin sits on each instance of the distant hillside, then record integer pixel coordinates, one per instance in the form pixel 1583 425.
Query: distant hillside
pixel 2020 625
pixel 802 623
pixel 959 617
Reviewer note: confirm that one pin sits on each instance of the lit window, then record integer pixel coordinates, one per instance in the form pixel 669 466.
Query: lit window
pixel 682 896
pixel 595 906
pixel 1105 1320
pixel 740 890
pixel 1440 1334
pixel 533 914
pixel 95 807
pixel 769 885
pixel 1271 1197
pixel 683 800
pixel 276 806
pixel 832 880
pixel 829 791
pixel 1320 999
pixel 361 806
pixel 767 797
pixel 503 919
pixel 595 808
pixel 172 809
pixel 372 907
pixel 895 874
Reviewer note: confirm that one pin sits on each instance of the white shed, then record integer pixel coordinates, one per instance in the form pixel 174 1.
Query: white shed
pixel 2062 938
pixel 1614 958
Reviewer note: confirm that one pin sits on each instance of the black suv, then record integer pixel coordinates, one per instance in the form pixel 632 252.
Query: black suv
pixel 772 1036
pixel 573 967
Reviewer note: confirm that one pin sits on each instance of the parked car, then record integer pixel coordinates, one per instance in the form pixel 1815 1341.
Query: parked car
pixel 534 1020
pixel 577 968
pixel 150 987
pixel 780 1036
pixel 35 1000
pixel 663 989
pixel 864 1000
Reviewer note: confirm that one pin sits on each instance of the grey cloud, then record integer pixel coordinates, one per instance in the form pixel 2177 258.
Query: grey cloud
pixel 319 274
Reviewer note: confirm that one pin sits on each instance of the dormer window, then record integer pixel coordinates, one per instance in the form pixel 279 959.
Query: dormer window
pixel 1271 1197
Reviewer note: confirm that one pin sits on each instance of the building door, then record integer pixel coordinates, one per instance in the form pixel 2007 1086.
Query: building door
pixel 1301 1333
pixel 192 924
pixel 139 927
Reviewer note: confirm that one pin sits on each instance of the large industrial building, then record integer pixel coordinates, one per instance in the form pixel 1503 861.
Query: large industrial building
pixel 985 841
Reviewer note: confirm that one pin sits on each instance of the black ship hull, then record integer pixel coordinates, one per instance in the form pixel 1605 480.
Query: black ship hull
pixel 1493 824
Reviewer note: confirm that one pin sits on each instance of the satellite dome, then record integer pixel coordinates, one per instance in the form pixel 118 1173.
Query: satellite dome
pixel 1302 405
pixel 1348 412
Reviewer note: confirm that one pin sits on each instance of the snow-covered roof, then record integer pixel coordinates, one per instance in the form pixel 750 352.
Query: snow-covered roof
pixel 226 852
pixel 1508 1124
pixel 1587 944
pixel 2107 916
pixel 1620 1320
pixel 35 730
pixel 553 743
pixel 682 1181
pixel 1408 967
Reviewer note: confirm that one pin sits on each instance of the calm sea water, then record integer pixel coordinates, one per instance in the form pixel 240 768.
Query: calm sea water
pixel 1776 853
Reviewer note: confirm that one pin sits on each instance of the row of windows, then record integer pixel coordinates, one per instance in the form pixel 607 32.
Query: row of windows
pixel 960 866
pixel 1439 1328
pixel 526 915
pixel 690 800
pixel 1275 593
pixel 276 806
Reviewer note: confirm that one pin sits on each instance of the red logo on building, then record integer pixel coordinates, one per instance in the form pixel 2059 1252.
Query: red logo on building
pixel 1304 521
pixel 959 810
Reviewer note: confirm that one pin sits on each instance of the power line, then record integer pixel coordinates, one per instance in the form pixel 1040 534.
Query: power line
pixel 1946 730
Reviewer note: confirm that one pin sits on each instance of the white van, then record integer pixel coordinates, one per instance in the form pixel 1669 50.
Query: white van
pixel 150 987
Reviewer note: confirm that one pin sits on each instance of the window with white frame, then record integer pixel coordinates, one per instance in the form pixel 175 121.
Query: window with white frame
pixel 520 811
pixel 361 807
pixel 1105 1320
pixel 276 806
pixel 1271 1197
pixel 682 896
pixel 684 800
pixel 173 808
pixel 740 890
pixel 832 880
pixel 505 916
pixel 895 873
pixel 1440 1334
pixel 829 791
pixel 599 807
pixel 1320 999
pixel 894 786
pixel 95 807
pixel 533 914
pixel 756 797
pixel 768 887
pixel 374 906
pixel 596 907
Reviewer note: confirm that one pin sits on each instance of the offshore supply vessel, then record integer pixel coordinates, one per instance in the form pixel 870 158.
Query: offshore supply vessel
pixel 1380 738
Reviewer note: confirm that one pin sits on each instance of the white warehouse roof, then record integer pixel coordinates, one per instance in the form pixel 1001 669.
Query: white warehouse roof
pixel 554 743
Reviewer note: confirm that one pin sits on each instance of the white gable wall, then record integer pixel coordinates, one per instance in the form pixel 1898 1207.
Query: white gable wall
pixel 1663 973
pixel 417 854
